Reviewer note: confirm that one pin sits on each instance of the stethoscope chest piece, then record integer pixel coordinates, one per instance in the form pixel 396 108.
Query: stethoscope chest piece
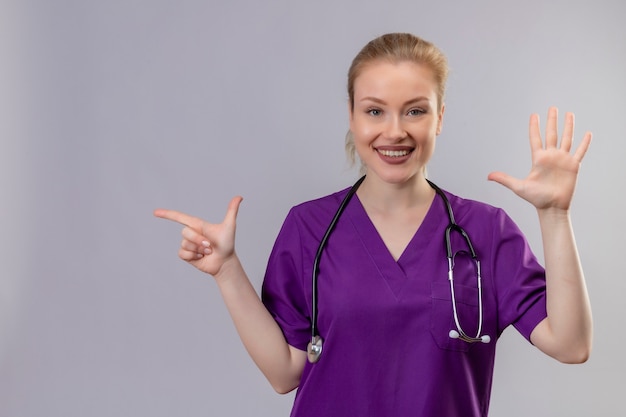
pixel 314 349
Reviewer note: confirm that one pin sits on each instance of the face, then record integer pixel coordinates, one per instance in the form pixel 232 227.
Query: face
pixel 394 119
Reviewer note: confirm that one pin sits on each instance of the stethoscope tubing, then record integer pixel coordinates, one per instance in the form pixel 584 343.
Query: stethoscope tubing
pixel 320 249
pixel 454 227
pixel 314 348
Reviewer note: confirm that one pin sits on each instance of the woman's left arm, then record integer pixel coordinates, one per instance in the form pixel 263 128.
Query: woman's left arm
pixel 566 334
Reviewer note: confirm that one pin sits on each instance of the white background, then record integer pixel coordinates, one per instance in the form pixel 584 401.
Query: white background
pixel 109 109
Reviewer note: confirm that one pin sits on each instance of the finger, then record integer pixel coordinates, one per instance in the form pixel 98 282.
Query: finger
pixel 233 210
pixel 189 256
pixel 534 133
pixel 504 179
pixel 189 246
pixel 203 248
pixel 551 128
pixel 193 236
pixel 179 217
pixel 582 148
pixel 568 132
pixel 197 242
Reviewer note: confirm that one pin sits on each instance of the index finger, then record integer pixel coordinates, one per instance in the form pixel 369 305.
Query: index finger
pixel 179 217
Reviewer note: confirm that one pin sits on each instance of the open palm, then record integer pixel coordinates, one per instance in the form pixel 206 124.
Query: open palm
pixel 552 178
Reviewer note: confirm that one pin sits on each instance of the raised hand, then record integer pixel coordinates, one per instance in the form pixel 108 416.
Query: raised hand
pixel 206 246
pixel 552 178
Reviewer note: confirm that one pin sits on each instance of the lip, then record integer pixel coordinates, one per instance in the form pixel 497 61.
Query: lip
pixel 394 154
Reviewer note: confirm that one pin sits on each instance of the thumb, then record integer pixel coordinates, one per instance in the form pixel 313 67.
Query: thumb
pixel 233 209
pixel 503 179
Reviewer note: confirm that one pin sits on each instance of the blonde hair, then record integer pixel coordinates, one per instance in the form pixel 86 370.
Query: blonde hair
pixel 395 48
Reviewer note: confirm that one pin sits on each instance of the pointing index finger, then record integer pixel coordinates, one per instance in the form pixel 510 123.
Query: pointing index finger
pixel 179 217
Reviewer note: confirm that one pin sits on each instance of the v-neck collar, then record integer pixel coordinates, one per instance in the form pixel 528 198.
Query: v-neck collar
pixel 395 273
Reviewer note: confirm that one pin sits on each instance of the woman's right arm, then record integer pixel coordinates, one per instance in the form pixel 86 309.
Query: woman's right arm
pixel 211 249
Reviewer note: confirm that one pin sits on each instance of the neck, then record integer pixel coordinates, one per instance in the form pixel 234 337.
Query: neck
pixel 383 196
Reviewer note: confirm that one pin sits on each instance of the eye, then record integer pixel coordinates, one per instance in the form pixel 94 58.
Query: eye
pixel 373 111
pixel 415 112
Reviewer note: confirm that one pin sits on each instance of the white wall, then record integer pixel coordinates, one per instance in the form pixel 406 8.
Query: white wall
pixel 109 109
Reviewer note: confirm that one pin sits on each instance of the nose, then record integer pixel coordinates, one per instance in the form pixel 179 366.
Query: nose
pixel 394 129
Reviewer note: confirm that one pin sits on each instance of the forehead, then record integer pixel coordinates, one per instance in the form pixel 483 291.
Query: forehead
pixel 385 80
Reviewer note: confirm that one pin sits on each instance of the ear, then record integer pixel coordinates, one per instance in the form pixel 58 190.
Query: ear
pixel 350 113
pixel 440 119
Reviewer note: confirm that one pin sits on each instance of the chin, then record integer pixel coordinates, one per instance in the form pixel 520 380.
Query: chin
pixel 396 178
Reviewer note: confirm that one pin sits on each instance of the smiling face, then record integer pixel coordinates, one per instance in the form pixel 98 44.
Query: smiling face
pixel 394 119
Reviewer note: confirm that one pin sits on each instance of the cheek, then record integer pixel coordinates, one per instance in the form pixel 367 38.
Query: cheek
pixel 362 132
pixel 362 141
pixel 428 131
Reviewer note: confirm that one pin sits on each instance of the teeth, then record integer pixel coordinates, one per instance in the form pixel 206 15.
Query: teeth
pixel 394 154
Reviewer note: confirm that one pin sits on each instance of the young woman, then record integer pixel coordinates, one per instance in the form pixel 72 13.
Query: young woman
pixel 402 335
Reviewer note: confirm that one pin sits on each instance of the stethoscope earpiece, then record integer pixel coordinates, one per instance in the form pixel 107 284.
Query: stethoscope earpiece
pixel 455 335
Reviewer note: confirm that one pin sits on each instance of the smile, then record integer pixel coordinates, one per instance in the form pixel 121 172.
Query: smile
pixel 394 154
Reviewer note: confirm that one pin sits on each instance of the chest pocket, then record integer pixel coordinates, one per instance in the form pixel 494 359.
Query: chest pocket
pixel 442 316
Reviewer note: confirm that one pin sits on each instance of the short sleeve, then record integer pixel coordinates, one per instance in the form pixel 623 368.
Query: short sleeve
pixel 283 291
pixel 521 279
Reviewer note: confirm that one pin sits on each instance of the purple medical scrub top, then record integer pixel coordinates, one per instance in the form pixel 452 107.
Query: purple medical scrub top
pixel 385 323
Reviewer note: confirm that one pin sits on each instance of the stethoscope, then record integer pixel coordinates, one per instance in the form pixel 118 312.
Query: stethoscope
pixel 314 349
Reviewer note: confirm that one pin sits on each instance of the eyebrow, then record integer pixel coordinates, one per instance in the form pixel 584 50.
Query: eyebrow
pixel 380 101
